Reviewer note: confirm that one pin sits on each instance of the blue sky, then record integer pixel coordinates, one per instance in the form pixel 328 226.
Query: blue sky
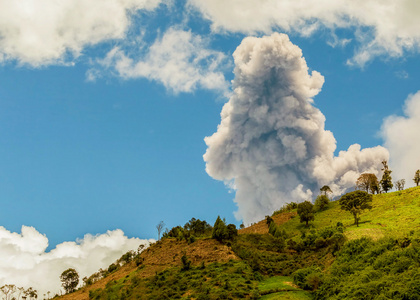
pixel 104 110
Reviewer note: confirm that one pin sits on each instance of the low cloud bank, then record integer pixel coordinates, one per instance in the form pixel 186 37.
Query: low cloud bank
pixel 271 146
pixel 401 137
pixel 24 262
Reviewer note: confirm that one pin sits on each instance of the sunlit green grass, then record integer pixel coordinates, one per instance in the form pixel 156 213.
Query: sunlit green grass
pixel 297 295
pixel 279 287
pixel 393 213
pixel 276 282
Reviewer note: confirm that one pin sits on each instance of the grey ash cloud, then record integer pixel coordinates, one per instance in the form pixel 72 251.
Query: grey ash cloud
pixel 271 146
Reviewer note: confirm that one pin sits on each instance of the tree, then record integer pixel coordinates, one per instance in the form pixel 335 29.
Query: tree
pixel 186 263
pixel 159 228
pixel 355 202
pixel 321 202
pixel 305 211
pixel 31 293
pixel 386 182
pixel 70 280
pixel 8 289
pixel 368 182
pixel 197 227
pixel 269 220
pixel 399 184
pixel 219 230
pixel 232 231
pixel 417 178
pixel 325 189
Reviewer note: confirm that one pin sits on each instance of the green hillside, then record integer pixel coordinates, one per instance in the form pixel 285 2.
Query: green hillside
pixel 392 214
pixel 330 259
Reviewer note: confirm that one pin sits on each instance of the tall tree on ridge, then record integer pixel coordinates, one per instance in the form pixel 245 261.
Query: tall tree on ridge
pixel 386 182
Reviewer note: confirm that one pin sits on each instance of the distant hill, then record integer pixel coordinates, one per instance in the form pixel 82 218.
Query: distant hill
pixel 332 259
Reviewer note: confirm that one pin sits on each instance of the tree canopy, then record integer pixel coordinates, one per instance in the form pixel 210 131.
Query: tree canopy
pixel 305 211
pixel 368 182
pixel 70 280
pixel 355 202
pixel 325 189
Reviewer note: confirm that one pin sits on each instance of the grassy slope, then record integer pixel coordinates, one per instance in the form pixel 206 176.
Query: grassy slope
pixel 392 214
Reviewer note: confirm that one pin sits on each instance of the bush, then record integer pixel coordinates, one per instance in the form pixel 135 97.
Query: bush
pixel 321 202
pixel 186 263
pixel 308 278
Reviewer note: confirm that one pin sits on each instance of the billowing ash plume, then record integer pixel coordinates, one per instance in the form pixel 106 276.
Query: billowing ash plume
pixel 271 145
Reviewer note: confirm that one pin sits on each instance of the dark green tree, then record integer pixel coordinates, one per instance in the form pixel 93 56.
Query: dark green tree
pixel 197 227
pixel 417 178
pixel 232 232
pixel 305 211
pixel 325 189
pixel 321 202
pixel 269 220
pixel 386 182
pixel 219 229
pixel 70 280
pixel 355 202
pixel 186 263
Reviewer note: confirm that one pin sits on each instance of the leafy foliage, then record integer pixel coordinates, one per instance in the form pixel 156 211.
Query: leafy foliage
pixel 222 232
pixel 70 280
pixel 368 182
pixel 286 208
pixel 321 202
pixel 386 181
pixel 364 269
pixel 325 190
pixel 231 280
pixel 192 229
pixel 355 202
pixel 305 211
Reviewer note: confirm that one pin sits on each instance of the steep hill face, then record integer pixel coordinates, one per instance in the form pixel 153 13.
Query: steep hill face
pixel 162 255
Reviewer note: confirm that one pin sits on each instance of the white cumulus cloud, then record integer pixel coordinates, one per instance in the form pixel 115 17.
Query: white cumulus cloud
pixel 180 60
pixel 401 136
pixel 43 32
pixel 379 26
pixel 271 145
pixel 25 262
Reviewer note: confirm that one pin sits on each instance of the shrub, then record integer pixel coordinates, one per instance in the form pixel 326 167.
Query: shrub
pixel 186 263
pixel 321 202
